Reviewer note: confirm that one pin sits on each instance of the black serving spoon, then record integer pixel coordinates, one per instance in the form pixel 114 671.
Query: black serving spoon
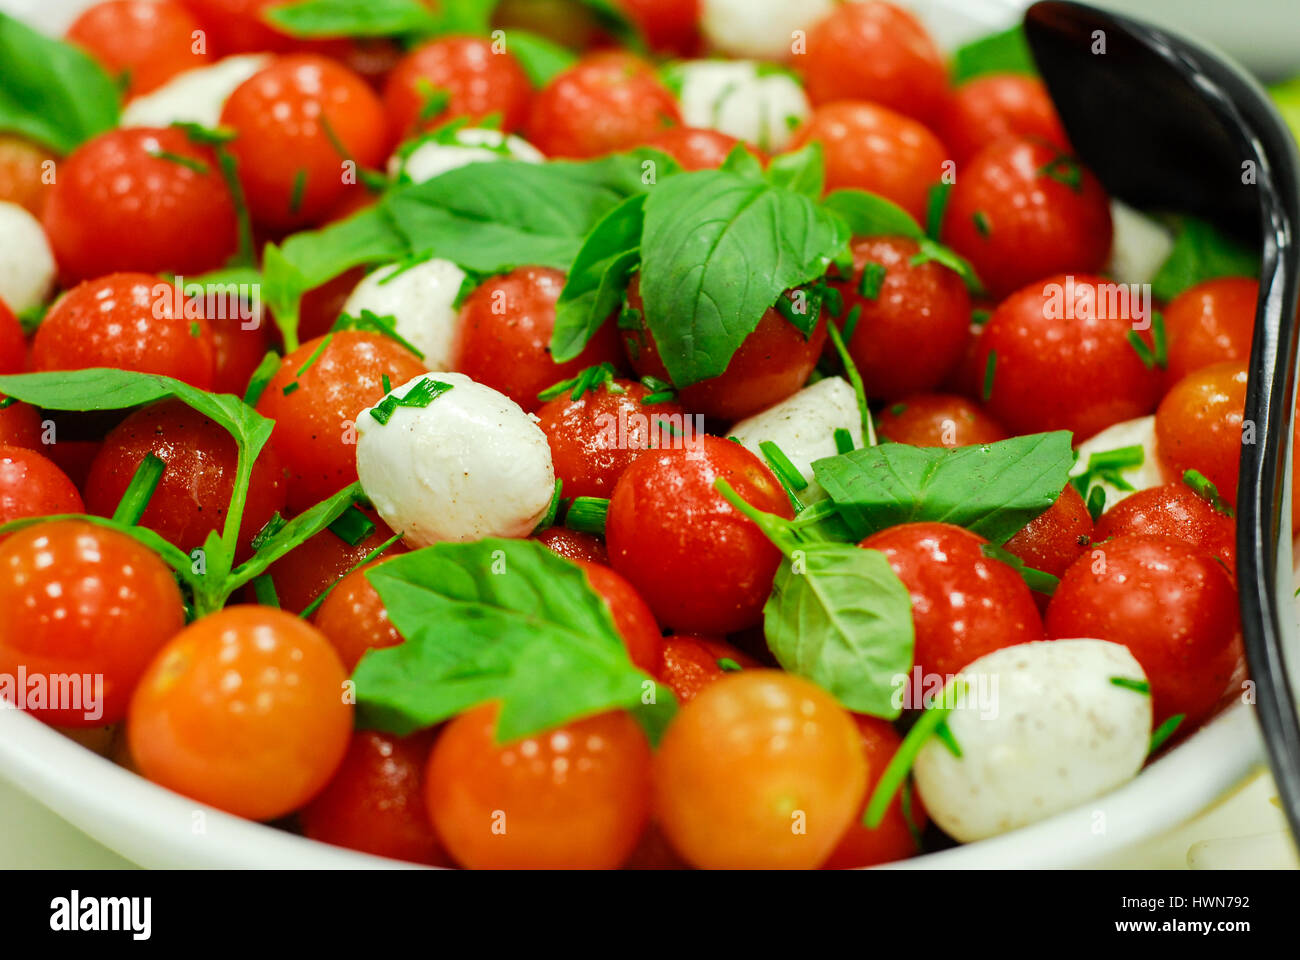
pixel 1166 124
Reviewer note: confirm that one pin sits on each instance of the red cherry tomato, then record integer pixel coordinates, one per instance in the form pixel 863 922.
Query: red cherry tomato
pixel 20 426
pixel 771 364
pixel 701 565
pixel 244 710
pixel 198 477
pixel 1199 425
pixel 698 149
pixel 964 604
pixel 1173 510
pixel 691 663
pixel 605 102
pixel 938 420
pixel 32 486
pixel 315 565
pixel 1210 323
pixel 146 41
pixel 575 797
pixel 1063 359
pixel 870 147
pixel 239 26
pixel 503 339
pixel 878 52
pixel 300 121
pixel 573 544
pixel 315 421
pixel 375 803
pixel 632 617
pixel 129 321
pixel 1022 210
pixel 141 199
pixel 82 599
pixel 13 345
pixel 913 303
pixel 236 352
pixel 997 106
pixel 321 306
pixel 466 75
pixel 1172 604
pixel 24 173
pixel 354 619
pixel 669 26
pixel 1056 537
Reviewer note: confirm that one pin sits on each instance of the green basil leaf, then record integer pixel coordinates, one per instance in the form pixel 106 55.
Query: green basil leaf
pixel 1201 252
pixel 51 92
pixel 840 616
pixel 716 252
pixel 871 216
pixel 743 163
pixel 172 555
pixel 541 59
pixel 803 171
pixel 614 20
pixel 302 527
pixel 354 18
pixel 990 489
pixel 1004 52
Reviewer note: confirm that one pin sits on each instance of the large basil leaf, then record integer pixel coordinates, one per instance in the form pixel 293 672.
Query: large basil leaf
pixel 1201 252
pixel 1003 52
pixel 358 18
pixel 541 58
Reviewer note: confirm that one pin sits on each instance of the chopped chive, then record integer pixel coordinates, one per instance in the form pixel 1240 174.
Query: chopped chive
pixel 785 306
pixel 1164 732
pixel 1140 347
pixel 1064 169
pixel 936 204
pixel 663 396
pixel 299 191
pixel 851 322
pixel 981 221
pixel 900 764
pixel 195 330
pixel 980 317
pixel 905 804
pixel 589 379
pixel 352 526
pixel 268 531
pixel 898 409
pixel 265 372
pixel 419 395
pixel 7 402
pixel 143 483
pixel 873 278
pixel 781 465
pixel 629 318
pixel 843 440
pixel 264 589
pixel 1207 491
pixel 190 163
pixel 208 136
pixel 1037 580
pixel 434 100
pixel 1096 502
pixel 1159 340
pixel 990 371
pixel 552 509
pixel 1128 683
pixel 315 354
pixel 386 383
pixel 727 665
pixel 587 515
pixel 385 326
pixel 855 378
pixel 312 607
pixel 831 299
pixel 1118 458
pixel 669 427
pixel 290 388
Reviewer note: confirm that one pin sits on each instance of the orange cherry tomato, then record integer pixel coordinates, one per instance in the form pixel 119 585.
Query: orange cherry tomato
pixel 146 41
pixel 938 420
pixel 354 618
pixel 1199 425
pixel 27 172
pixel 1210 323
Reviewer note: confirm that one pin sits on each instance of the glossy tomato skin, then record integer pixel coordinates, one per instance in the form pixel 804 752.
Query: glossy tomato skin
pixel 1199 425
pixel 32 486
pixel 1173 510
pixel 13 344
pixel 870 147
pixel 1017 223
pixel 691 663
pixel 315 422
pixel 1210 323
pixel 669 26
pixel 588 448
pixel 911 334
pixel 573 544
pixel 354 619
pixel 477 80
pixel 1056 537
pixel 771 364
pixel 128 321
pixel 1064 360
pixel 312 567
pixel 375 803
pixel 146 41
pixel 503 339
pixel 964 604
pixel 25 169
pixel 938 420
pixel 878 52
pixel 862 846
pixel 575 797
pixel 997 106
pixel 198 478
pixel 606 102
pixel 78 599
pixel 239 26
pixel 1172 604
pixel 20 426
pixel 699 149
pixel 753 755
pixel 120 204
pixel 243 710
pixel 700 565
pixel 633 618
pixel 290 168
pixel 236 352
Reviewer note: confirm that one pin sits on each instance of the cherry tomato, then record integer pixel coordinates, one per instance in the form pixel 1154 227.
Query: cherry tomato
pixel 26 173
pixel 669 26
pixel 32 486
pixel 691 663
pixel 239 26
pixel 698 149
pixel 13 344
pixel 140 199
pixel 878 52
pixel 997 106
pixel 701 565
pixel 605 102
pixel 504 336
pixel 632 617
pixel 938 420
pixel 761 770
pixel 964 604
pixel 771 364
pixel 236 352
pixel 354 619
pixel 300 122
pixel 893 839
pixel 909 303
pixel 1199 425
pixel 244 710
pixel 315 421
pixel 375 803
pixel 82 599
pixel 321 306
pixel 1056 537
pixel 315 565
pixel 1173 510
pixel 20 426
pixel 146 41
pixel 1210 323
pixel 129 321
pixel 575 797
pixel 1172 604
pixel 456 77
pixel 1063 360
pixel 870 147
pixel 198 478
pixel 574 544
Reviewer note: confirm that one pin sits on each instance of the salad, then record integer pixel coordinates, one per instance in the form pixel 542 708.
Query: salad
pixel 636 433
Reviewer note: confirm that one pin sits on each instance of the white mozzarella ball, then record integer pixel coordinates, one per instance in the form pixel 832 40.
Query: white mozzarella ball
pixel 469 465
pixel 27 269
pixel 742 99
pixel 804 425
pixel 422 300
pixel 759 28
pixel 194 96
pixel 432 158
pixel 1140 245
pixel 1043 729
pixel 1139 432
